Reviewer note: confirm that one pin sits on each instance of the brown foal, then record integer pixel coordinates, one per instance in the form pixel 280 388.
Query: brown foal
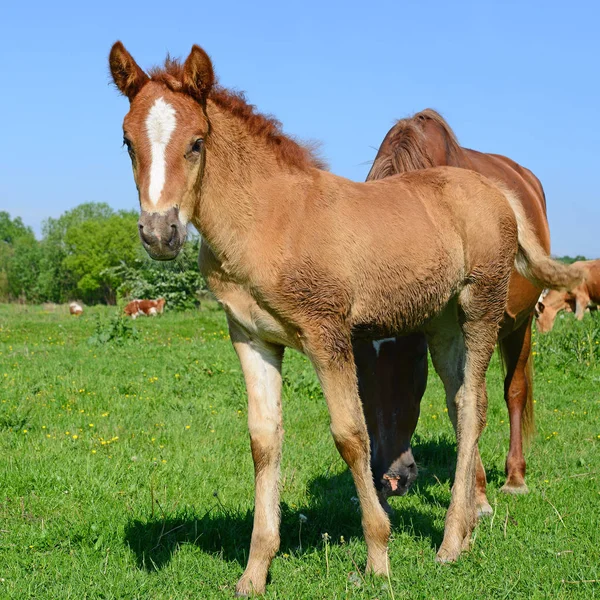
pixel 301 258
pixel 423 141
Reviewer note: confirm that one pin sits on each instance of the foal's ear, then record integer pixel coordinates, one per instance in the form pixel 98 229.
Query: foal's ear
pixel 126 73
pixel 198 74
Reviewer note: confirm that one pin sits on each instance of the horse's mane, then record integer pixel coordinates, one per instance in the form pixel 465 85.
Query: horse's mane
pixel 409 146
pixel 287 149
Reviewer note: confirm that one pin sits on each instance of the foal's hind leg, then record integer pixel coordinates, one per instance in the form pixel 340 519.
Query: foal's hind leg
pixel 480 318
pixel 447 348
pixel 337 373
pixel 518 388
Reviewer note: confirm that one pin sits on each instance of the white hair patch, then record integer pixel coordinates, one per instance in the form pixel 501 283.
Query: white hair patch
pixel 160 124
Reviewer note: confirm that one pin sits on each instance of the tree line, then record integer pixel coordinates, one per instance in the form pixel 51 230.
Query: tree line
pixel 91 253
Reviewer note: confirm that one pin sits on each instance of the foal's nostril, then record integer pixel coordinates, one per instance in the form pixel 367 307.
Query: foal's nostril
pixel 143 234
pixel 173 235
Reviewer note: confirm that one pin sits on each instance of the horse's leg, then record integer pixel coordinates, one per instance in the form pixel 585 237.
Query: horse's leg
pixel 337 373
pixel 518 393
pixel 392 375
pixel 479 339
pixel 582 299
pixel 261 364
pixel 448 355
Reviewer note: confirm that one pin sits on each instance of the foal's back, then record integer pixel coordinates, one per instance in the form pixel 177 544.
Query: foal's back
pixel 424 233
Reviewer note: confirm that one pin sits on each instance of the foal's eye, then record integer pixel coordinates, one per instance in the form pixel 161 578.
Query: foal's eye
pixel 127 144
pixel 197 146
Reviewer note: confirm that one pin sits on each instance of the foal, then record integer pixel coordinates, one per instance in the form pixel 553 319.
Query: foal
pixel 301 258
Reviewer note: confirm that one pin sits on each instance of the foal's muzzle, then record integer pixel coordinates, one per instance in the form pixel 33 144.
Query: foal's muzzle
pixel 162 234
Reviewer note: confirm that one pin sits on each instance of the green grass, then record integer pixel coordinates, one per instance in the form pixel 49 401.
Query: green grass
pixel 126 472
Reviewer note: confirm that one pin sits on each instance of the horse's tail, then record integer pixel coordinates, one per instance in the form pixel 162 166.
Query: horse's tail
pixel 532 262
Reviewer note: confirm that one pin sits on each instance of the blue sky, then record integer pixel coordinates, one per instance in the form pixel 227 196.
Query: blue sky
pixel 516 78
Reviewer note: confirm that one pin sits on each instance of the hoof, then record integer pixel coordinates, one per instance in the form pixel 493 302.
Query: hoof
pixel 446 556
pixel 509 488
pixel 450 551
pixel 245 588
pixel 484 509
pixel 379 566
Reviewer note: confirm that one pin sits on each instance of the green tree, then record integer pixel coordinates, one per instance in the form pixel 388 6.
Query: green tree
pixel 95 245
pixel 23 269
pixel 56 282
pixel 12 229
pixel 19 259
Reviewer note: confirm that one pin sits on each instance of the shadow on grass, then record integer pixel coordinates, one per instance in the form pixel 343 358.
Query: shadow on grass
pixel 332 509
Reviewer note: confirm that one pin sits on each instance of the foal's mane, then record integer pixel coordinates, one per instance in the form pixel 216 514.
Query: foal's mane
pixel 287 149
pixel 409 146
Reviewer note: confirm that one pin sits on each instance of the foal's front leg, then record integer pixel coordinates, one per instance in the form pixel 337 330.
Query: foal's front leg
pixel 337 374
pixel 261 364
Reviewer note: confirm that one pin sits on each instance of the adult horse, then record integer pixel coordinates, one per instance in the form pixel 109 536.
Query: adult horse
pixel 393 372
pixel 296 261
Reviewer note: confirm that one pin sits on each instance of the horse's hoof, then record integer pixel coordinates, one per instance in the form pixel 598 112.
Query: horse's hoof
pixel 379 566
pixel 245 588
pixel 445 556
pixel 484 509
pixel 516 489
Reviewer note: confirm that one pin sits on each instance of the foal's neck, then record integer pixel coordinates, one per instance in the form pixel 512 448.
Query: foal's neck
pixel 246 191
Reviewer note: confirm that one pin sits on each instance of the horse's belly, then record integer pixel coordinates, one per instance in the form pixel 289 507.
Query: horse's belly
pixel 243 309
pixel 403 309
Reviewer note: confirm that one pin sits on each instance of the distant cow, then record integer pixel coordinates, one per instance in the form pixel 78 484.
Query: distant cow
pixel 75 309
pixel 149 308
pixel 586 295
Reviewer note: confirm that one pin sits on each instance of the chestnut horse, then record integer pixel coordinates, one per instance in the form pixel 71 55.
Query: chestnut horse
pixel 585 296
pixel 423 141
pixel 301 258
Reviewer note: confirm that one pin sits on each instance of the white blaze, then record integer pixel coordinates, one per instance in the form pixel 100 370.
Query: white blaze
pixel 160 124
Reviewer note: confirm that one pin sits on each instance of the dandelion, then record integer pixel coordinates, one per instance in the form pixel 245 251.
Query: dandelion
pixel 326 537
pixel 302 519
pixel 187 426
pixel 93 452
pixel 24 430
pixel 75 437
pixel 91 425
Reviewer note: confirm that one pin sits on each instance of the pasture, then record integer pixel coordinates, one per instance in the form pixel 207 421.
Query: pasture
pixel 126 471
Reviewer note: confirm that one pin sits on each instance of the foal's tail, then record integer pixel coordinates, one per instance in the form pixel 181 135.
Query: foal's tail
pixel 532 262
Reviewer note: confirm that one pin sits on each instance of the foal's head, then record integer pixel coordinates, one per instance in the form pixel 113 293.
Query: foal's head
pixel 164 132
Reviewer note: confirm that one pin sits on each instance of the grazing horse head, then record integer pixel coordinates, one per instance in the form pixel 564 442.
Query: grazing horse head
pixel 165 132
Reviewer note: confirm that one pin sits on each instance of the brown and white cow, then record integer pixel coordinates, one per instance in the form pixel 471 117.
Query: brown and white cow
pixel 584 296
pixel 75 309
pixel 149 308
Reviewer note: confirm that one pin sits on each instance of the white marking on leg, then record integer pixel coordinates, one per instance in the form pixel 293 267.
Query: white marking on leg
pixel 160 124
pixel 378 343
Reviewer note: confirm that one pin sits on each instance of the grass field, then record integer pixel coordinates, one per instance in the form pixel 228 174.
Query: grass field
pixel 126 472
